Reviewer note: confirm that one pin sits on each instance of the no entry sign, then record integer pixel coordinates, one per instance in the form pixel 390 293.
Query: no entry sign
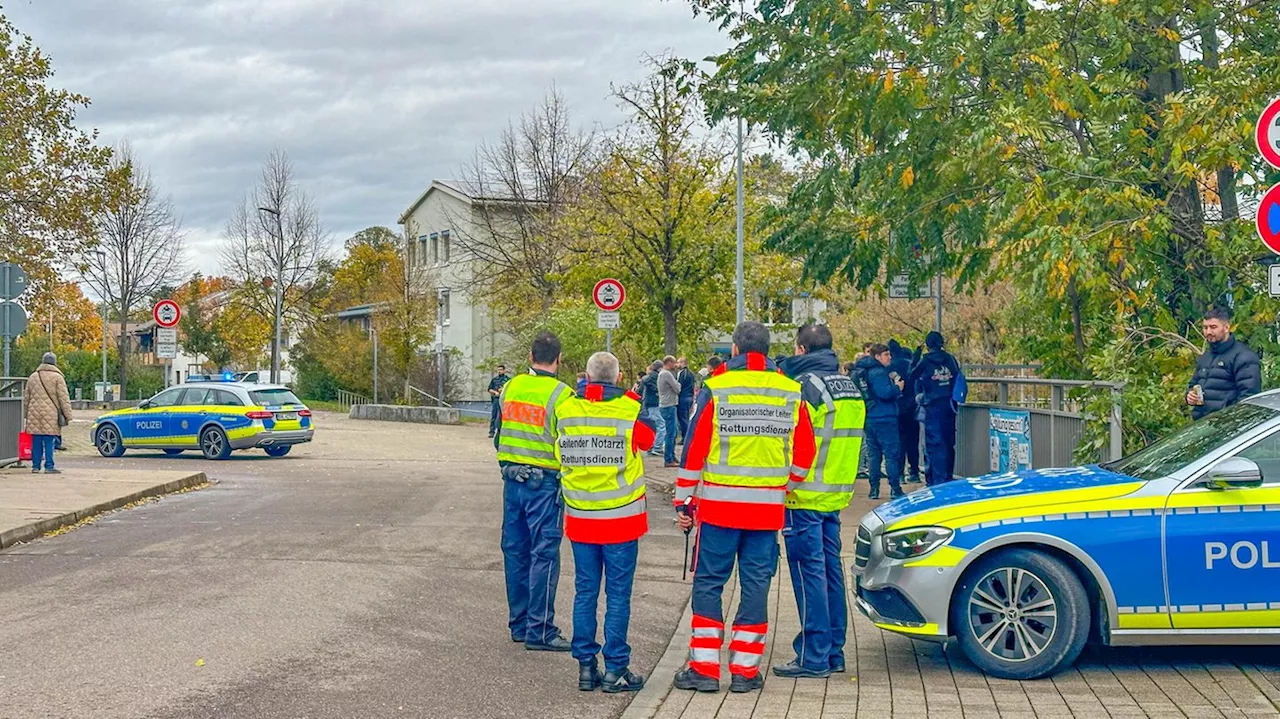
pixel 1267 134
pixel 166 313
pixel 609 295
pixel 1269 219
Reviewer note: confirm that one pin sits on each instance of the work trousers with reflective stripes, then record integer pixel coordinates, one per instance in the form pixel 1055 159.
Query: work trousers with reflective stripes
pixel 940 441
pixel 882 444
pixel 813 555
pixel 756 553
pixel 615 564
pixel 532 524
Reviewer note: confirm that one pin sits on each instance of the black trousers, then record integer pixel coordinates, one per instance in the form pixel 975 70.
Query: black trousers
pixel 909 433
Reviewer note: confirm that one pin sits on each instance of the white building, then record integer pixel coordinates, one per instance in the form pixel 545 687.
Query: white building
pixel 443 212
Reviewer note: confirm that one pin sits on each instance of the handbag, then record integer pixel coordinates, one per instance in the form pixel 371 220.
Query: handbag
pixel 62 421
pixel 24 446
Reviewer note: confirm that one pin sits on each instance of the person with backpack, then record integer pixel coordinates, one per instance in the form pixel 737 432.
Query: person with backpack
pixel 935 378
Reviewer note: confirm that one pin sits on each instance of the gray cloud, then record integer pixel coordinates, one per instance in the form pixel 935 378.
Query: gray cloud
pixel 371 100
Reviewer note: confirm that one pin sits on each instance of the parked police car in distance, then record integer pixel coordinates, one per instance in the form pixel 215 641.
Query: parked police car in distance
pixel 212 417
pixel 1178 543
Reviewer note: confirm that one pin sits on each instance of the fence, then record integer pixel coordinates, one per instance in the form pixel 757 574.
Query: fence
pixel 1057 420
pixel 10 418
pixel 347 399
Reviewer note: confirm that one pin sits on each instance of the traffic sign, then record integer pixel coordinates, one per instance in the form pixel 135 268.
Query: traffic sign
pixel 609 294
pixel 13 281
pixel 900 288
pixel 166 313
pixel 166 350
pixel 13 319
pixel 1269 219
pixel 166 335
pixel 1273 280
pixel 608 320
pixel 1267 134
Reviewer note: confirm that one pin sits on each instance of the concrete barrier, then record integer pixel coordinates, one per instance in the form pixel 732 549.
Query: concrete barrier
pixel 104 406
pixel 399 413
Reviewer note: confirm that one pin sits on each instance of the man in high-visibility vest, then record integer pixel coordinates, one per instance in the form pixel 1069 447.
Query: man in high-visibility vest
pixel 531 503
pixel 751 437
pixel 601 440
pixel 812 529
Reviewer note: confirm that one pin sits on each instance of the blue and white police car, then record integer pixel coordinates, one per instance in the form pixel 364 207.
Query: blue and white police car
pixel 1178 543
pixel 215 418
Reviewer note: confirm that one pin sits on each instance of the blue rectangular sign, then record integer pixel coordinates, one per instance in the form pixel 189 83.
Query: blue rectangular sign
pixel 1010 437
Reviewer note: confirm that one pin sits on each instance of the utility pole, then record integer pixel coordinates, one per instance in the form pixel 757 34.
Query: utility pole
pixel 279 299
pixel 439 349
pixel 741 304
pixel 374 332
pixel 102 257
pixel 937 306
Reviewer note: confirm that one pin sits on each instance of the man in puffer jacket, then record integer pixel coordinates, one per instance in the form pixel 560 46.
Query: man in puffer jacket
pixel 46 410
pixel 1227 372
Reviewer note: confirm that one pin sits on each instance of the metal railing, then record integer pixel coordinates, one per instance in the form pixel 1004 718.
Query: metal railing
pixel 1057 408
pixel 347 399
pixel 10 418
pixel 439 402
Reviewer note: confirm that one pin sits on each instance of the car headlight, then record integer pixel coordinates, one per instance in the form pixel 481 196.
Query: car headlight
pixel 912 543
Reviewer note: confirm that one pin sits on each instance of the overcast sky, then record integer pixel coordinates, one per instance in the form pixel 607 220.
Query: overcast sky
pixel 371 99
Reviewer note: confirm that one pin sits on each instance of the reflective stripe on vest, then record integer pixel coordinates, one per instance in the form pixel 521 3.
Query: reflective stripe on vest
pixel 838 430
pixel 527 435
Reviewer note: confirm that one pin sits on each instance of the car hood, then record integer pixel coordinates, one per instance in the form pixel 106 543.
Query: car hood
pixel 1028 489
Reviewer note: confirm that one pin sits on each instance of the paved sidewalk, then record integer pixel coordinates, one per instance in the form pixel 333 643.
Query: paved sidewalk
pixel 33 504
pixel 892 677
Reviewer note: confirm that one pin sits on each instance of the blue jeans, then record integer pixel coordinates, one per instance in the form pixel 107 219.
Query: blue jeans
pixel 659 429
pixel 616 565
pixel 532 524
pixel 42 448
pixel 813 554
pixel 882 443
pixel 495 416
pixel 669 427
pixel 682 416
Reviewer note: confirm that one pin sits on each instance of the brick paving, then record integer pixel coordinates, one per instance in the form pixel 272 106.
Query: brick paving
pixel 893 677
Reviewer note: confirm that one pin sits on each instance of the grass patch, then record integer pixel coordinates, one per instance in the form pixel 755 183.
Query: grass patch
pixel 325 406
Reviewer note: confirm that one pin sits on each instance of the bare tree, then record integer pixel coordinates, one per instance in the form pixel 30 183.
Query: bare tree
pixel 523 186
pixel 275 232
pixel 138 248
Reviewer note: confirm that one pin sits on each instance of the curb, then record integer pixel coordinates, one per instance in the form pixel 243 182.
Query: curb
pixel 28 532
pixel 649 700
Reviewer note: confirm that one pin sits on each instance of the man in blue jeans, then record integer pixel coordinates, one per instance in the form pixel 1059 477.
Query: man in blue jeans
pixel 881 392
pixel 46 409
pixel 668 407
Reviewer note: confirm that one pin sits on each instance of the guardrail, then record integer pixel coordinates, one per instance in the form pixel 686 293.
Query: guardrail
pixel 350 399
pixel 1057 414
pixel 10 418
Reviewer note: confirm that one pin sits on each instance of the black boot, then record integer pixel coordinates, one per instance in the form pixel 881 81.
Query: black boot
pixel 588 676
pixel 622 681
pixel 895 492
pixel 688 679
pixel 874 493
pixel 741 684
pixel 795 670
pixel 554 644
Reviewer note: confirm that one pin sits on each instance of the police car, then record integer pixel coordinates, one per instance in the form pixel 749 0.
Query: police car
pixel 1178 543
pixel 212 417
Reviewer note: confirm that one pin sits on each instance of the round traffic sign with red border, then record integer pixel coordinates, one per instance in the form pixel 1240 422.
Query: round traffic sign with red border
pixel 1269 219
pixel 1267 134
pixel 166 313
pixel 609 295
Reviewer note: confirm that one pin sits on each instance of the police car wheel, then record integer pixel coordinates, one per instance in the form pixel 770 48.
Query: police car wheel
pixel 214 444
pixel 108 441
pixel 278 451
pixel 1021 614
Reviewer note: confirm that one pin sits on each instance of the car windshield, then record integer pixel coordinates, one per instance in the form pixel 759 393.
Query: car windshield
pixel 1192 442
pixel 273 397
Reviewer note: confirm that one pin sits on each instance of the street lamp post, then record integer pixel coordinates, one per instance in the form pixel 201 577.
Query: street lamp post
pixel 279 300
pixel 102 261
pixel 741 300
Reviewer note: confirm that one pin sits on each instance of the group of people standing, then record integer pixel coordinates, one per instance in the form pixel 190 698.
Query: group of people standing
pixel 771 447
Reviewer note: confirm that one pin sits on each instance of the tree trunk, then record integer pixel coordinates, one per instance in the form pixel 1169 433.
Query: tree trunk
pixel 669 328
pixel 1226 174
pixel 122 354
pixel 1077 329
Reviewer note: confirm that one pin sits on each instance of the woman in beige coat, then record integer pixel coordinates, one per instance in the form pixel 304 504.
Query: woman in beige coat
pixel 46 410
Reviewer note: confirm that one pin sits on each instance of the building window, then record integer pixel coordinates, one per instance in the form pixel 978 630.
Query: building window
pixel 444 307
pixel 422 250
pixel 435 248
pixel 775 309
pixel 444 247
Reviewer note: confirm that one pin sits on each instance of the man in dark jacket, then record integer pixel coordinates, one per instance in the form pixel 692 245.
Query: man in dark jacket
pixel 908 426
pixel 934 378
pixel 688 383
pixel 649 385
pixel 496 384
pixel 871 374
pixel 1227 372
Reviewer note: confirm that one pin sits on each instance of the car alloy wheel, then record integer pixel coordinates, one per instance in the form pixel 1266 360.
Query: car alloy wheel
pixel 213 444
pixel 1013 614
pixel 109 442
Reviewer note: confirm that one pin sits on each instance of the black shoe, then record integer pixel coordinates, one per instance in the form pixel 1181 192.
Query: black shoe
pixel 517 639
pixel 35 470
pixel 588 677
pixel 741 684
pixel 894 494
pixel 555 644
pixel 874 494
pixel 53 471
pixel 795 670
pixel 623 681
pixel 688 679
pixel 837 666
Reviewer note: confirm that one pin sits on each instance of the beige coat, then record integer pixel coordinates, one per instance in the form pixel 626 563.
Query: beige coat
pixel 44 400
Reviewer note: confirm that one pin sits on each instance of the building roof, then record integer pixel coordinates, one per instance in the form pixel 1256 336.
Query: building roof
pixel 465 190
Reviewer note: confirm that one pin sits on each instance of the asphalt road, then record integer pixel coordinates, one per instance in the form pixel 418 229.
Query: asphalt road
pixel 358 577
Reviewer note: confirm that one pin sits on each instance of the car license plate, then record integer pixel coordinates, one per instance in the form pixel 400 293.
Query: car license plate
pixel 281 416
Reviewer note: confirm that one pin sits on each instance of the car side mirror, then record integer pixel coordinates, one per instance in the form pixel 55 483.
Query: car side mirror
pixel 145 405
pixel 1233 473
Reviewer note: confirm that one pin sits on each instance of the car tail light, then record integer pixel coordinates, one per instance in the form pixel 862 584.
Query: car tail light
pixel 258 414
pixel 304 413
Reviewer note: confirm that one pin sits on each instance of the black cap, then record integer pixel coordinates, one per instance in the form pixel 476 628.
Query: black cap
pixel 933 340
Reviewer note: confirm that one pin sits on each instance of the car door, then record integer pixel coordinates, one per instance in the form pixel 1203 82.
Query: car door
pixel 1222 544
pixel 148 426
pixel 186 419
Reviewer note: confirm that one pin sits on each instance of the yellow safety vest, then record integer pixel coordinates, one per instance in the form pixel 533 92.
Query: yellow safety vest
pixel 528 431
pixel 602 479
pixel 837 428
pixel 749 457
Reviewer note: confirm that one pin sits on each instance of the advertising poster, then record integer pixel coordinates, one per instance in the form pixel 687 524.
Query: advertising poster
pixel 1010 437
